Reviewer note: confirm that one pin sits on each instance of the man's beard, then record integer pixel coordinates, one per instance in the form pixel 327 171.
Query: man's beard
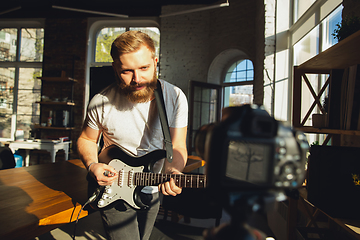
pixel 138 96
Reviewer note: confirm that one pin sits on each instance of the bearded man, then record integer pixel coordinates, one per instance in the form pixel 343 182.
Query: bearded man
pixel 126 115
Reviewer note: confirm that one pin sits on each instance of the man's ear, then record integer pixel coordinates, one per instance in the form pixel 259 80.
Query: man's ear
pixel 115 68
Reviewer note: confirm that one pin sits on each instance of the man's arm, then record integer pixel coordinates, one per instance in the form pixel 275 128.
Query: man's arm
pixel 178 138
pixel 88 151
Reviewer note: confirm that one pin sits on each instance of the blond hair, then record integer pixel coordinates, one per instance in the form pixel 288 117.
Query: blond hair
pixel 131 41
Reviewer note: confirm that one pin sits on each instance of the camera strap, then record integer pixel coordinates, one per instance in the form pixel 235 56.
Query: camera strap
pixel 164 121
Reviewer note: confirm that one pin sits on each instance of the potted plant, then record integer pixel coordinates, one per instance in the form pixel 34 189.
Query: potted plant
pixel 320 120
pixel 346 27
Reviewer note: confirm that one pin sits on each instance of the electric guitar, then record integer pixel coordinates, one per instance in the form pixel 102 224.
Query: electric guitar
pixel 134 173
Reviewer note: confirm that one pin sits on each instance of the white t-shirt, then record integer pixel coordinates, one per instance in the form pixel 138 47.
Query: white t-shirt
pixel 136 127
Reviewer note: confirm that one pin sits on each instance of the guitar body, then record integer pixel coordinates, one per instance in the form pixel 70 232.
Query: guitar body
pixel 123 188
pixel 134 173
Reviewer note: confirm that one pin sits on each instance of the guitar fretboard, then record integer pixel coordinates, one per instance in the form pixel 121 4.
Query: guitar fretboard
pixel 181 180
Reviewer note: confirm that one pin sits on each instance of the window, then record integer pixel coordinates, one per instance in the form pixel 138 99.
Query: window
pixel 328 27
pixel 108 34
pixel 238 83
pixel 103 43
pixel 21 54
pixel 307 47
pixel 318 39
pixel 300 7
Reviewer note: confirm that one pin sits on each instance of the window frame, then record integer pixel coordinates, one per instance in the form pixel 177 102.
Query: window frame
pixel 224 84
pixel 17 64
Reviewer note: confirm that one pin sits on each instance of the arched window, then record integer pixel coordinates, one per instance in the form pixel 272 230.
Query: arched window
pixel 238 83
pixel 107 35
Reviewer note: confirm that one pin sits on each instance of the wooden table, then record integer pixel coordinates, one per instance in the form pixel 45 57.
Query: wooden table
pixel 36 199
pixel 39 198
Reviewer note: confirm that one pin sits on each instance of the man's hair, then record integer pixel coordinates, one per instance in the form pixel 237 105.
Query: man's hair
pixel 131 41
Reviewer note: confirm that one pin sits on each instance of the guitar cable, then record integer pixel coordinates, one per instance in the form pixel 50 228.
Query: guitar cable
pixel 90 200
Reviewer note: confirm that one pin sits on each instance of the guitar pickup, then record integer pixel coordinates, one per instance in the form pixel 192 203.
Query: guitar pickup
pixel 130 179
pixel 121 178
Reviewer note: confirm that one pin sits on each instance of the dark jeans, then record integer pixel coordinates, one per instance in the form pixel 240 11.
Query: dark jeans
pixel 124 222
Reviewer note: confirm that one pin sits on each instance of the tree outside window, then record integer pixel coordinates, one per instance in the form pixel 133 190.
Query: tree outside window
pixel 107 35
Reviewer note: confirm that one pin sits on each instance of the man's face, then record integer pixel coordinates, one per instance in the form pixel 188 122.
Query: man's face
pixel 136 73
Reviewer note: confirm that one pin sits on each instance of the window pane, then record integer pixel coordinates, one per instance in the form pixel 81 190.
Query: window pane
pixel 238 95
pixel 154 33
pixel 28 112
pixel 241 76
pixel 8 37
pixel 206 95
pixel 328 26
pixel 300 7
pixel 103 43
pixel 32 44
pixel 197 94
pixel 307 47
pixel 7 76
pixel 240 71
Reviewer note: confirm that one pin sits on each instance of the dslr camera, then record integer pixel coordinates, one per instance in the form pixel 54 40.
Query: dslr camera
pixel 248 150
pixel 252 161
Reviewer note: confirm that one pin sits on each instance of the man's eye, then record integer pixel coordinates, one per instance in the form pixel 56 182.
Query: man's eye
pixel 144 68
pixel 125 71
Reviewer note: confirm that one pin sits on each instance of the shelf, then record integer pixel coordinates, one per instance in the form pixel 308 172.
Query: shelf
pixel 63 78
pixel 327 131
pixel 37 126
pixel 56 103
pixel 57 79
pixel 341 55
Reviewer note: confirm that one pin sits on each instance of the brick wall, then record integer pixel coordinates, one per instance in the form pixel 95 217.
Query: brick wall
pixel 185 45
pixel 190 42
pixel 65 48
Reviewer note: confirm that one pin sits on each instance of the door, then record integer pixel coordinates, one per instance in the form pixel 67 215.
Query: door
pixel 204 108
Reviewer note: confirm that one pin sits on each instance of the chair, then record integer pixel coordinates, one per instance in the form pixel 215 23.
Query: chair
pixel 7 159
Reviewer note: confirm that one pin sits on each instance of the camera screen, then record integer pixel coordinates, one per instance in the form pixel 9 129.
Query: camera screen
pixel 248 161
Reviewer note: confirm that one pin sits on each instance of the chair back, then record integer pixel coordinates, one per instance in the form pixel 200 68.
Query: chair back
pixel 7 159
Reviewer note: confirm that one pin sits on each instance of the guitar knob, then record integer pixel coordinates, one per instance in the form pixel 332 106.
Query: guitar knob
pixel 105 196
pixel 101 202
pixel 108 190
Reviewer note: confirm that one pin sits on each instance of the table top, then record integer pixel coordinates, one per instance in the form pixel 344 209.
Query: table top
pixel 39 198
pixel 29 143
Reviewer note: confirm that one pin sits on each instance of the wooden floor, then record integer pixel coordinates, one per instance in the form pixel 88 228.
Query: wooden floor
pixel 90 227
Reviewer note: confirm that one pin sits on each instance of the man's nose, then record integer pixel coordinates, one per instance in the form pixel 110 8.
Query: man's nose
pixel 136 77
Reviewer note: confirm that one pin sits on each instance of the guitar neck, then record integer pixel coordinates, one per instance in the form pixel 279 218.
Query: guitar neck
pixel 181 180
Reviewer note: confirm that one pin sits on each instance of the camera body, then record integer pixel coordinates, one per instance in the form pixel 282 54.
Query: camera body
pixel 248 150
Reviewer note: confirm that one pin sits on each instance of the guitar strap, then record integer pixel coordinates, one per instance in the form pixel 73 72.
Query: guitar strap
pixel 164 121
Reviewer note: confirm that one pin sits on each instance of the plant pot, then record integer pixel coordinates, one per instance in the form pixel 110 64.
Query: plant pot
pixel 319 120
